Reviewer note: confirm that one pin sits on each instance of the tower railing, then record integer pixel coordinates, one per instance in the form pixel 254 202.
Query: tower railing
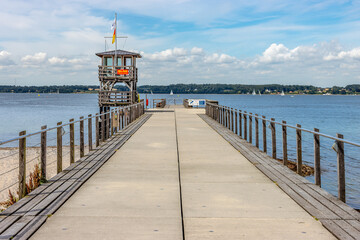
pixel 115 98
pixel 120 73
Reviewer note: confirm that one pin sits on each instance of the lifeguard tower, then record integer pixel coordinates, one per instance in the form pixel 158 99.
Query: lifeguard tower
pixel 117 66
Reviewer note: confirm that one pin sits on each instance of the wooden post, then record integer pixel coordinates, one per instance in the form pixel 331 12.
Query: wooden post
pixel 43 153
pixel 264 134
pixel 59 148
pixel 341 168
pixel 228 118
pixel 72 141
pixel 108 125
pixel 236 122
pixel 273 137
pixel 298 149
pixel 22 165
pixel 112 123
pixel 90 132
pixel 250 128
pixel 119 119
pixel 256 130
pixel 103 127
pixel 245 126
pixel 97 133
pixel 222 116
pixel 232 119
pixel 223 113
pixel 82 137
pixel 317 169
pixel 284 142
pixel 240 124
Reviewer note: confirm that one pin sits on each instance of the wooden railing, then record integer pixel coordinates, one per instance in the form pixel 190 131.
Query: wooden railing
pixel 159 103
pixel 106 124
pixel 242 124
pixel 115 98
pixel 117 72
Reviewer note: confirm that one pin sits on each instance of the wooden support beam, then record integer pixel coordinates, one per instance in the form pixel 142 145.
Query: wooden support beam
pixel 298 149
pixel 341 168
pixel 22 165
pixel 284 143
pixel 317 169
pixel 72 141
pixel 59 147
pixel 43 147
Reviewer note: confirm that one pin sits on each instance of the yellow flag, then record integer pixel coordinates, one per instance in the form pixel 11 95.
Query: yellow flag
pixel 113 27
pixel 114 36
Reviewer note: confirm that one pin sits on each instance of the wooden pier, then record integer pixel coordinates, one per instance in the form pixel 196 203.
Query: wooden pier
pixel 176 173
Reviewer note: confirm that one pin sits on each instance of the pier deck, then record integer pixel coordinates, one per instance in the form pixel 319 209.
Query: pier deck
pixel 177 177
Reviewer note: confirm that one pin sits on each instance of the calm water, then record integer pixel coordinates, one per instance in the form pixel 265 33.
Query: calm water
pixel 331 114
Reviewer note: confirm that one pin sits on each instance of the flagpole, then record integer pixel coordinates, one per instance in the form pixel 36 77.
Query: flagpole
pixel 116 61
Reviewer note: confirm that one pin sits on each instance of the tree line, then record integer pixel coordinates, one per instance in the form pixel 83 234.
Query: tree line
pixel 192 89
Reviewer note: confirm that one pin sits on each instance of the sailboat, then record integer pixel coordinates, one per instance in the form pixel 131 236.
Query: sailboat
pixel 282 93
pixel 171 93
pixel 259 93
pixel 254 93
pixel 151 92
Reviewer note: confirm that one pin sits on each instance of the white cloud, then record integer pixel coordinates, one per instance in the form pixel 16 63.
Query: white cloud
pixel 56 60
pixel 5 59
pixel 352 54
pixel 197 51
pixel 219 58
pixel 37 58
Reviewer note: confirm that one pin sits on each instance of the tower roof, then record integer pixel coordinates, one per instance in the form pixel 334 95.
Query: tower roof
pixel 118 53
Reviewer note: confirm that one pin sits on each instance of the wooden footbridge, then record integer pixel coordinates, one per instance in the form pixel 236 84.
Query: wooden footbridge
pixel 178 173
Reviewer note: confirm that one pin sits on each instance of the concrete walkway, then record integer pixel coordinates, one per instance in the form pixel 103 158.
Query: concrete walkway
pixel 221 195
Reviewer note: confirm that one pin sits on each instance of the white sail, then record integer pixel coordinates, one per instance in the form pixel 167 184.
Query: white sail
pixel 171 93
pixel 259 93
pixel 152 93
pixel 254 93
pixel 282 93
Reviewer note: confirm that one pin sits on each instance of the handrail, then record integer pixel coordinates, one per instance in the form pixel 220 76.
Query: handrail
pixel 62 125
pixel 291 126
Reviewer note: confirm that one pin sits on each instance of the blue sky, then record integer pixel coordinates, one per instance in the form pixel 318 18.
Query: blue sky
pixel 246 42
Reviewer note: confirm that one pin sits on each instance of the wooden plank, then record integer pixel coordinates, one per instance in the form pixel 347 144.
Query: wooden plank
pixel 336 230
pixel 16 227
pixel 7 222
pixel 348 228
pixel 355 224
pixel 31 227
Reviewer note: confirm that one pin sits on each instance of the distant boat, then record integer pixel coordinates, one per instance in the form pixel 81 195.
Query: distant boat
pixel 282 93
pixel 171 93
pixel 58 91
pixel 259 93
pixel 254 93
pixel 152 93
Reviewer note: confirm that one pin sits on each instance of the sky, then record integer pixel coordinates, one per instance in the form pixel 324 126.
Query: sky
pixel 181 41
